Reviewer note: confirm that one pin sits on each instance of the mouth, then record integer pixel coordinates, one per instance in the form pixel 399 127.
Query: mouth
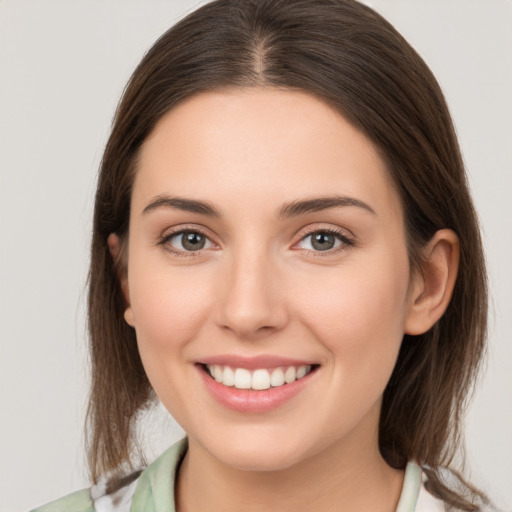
pixel 257 384
pixel 258 379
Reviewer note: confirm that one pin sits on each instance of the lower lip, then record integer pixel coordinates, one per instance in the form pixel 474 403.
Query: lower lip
pixel 251 401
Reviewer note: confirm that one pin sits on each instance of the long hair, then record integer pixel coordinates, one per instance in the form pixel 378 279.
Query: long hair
pixel 350 57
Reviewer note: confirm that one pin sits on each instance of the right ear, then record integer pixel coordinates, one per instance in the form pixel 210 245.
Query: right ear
pixel 117 253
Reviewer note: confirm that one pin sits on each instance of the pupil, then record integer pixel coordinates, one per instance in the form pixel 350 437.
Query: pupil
pixel 193 241
pixel 323 241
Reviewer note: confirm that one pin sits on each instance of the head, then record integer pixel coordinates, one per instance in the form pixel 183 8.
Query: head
pixel 353 62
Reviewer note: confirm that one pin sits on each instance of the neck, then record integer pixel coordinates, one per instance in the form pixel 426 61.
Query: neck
pixel 349 475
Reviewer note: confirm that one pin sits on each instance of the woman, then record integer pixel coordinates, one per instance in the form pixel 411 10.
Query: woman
pixel 286 254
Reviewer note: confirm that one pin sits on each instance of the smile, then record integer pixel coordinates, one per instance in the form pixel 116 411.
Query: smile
pixel 257 384
pixel 258 379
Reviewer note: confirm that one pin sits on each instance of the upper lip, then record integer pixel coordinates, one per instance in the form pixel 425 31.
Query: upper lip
pixel 261 361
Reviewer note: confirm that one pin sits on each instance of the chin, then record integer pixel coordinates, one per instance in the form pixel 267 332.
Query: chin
pixel 259 460
pixel 257 453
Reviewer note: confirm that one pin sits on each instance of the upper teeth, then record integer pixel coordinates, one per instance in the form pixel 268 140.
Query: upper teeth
pixel 241 378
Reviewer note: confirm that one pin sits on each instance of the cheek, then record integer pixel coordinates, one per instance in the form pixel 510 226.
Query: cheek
pixel 359 317
pixel 169 309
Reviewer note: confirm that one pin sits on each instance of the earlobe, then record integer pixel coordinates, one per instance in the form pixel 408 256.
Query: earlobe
pixel 128 316
pixel 117 253
pixel 432 288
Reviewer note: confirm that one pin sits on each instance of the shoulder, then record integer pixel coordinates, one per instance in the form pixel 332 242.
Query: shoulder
pixel 79 501
pixel 427 502
pixel 146 491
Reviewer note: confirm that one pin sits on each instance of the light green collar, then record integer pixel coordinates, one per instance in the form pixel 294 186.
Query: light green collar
pixel 155 490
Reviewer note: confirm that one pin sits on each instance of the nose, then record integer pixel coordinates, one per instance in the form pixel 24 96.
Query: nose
pixel 251 301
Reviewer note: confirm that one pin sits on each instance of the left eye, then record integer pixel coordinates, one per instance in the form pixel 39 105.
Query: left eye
pixel 322 241
pixel 189 241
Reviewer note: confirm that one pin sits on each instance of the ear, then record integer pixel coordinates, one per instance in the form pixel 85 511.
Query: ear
pixel 118 255
pixel 432 287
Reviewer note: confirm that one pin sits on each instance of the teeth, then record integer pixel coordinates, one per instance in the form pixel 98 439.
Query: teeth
pixel 290 374
pixel 301 372
pixel 217 373
pixel 260 379
pixel 242 378
pixel 228 377
pixel 277 378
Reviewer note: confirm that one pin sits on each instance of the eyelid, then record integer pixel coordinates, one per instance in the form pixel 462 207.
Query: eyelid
pixel 185 228
pixel 328 228
pixel 347 239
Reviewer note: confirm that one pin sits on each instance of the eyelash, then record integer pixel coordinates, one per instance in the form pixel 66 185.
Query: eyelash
pixel 346 242
pixel 164 242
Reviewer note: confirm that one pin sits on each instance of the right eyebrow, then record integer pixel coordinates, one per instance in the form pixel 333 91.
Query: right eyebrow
pixel 182 203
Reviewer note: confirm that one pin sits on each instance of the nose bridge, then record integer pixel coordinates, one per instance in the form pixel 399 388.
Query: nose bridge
pixel 251 301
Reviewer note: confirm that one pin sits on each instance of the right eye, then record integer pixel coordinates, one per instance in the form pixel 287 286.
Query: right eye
pixel 187 241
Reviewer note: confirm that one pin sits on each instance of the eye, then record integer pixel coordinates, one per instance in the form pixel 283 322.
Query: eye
pixel 187 241
pixel 324 240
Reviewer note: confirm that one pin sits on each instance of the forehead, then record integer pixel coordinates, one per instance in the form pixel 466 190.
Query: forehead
pixel 260 144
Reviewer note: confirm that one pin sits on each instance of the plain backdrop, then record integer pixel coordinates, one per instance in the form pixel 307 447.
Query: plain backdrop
pixel 63 66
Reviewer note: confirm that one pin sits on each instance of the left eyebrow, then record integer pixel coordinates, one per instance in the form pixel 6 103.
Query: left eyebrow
pixel 317 204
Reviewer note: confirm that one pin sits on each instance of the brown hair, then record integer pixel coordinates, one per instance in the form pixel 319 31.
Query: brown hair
pixel 350 57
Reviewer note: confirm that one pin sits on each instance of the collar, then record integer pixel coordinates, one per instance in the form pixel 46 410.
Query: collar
pixel 153 491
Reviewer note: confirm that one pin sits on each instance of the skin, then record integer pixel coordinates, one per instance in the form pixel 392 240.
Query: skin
pixel 260 287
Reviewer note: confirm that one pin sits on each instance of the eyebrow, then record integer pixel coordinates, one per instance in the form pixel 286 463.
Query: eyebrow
pixel 292 209
pixel 181 203
pixel 317 204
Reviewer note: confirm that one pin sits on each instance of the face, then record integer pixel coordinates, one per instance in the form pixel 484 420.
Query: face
pixel 268 279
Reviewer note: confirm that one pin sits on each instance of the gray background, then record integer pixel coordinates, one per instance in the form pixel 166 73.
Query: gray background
pixel 63 65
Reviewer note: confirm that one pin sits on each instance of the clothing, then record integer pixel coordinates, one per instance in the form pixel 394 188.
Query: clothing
pixel 151 491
